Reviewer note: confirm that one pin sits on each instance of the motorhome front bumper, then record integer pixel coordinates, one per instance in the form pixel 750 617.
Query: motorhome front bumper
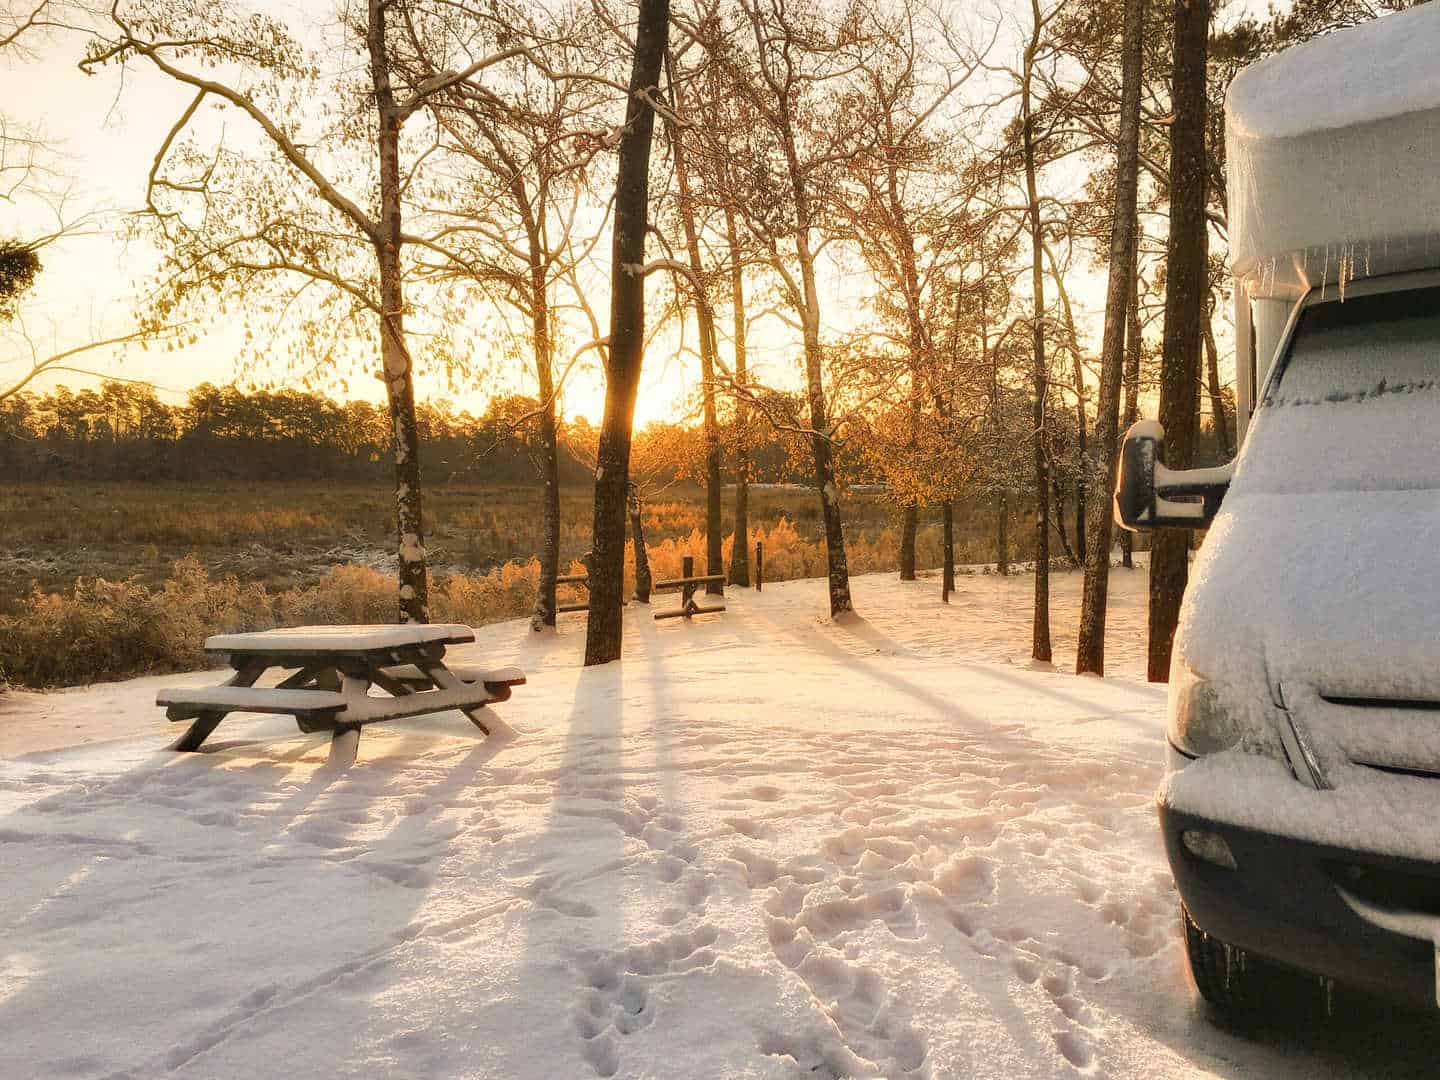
pixel 1312 907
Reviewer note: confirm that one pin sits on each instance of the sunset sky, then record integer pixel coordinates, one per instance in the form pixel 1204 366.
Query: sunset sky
pixel 108 132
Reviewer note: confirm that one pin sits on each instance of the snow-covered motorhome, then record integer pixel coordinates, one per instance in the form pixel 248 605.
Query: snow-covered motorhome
pixel 1301 806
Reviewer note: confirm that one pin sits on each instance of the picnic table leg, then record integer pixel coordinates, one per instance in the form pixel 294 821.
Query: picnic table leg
pixel 446 679
pixel 207 722
pixel 197 732
pixel 344 745
pixel 345 742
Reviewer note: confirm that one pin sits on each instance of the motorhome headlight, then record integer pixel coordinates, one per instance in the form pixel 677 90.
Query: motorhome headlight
pixel 1199 723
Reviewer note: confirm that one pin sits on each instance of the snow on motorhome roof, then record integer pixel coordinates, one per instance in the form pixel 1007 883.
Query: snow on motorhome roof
pixel 1332 148
pixel 1382 68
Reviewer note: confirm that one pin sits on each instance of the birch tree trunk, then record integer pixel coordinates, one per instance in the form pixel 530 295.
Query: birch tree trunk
pixel 605 628
pixel 1185 292
pixel 1119 293
pixel 414 594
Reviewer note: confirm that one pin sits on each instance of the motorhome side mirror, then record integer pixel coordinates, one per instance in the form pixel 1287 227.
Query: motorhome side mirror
pixel 1150 496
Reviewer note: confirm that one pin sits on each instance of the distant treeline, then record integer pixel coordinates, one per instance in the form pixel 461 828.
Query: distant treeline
pixel 123 431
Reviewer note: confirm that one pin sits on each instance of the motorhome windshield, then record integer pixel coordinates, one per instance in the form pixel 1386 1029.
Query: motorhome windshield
pixel 1357 403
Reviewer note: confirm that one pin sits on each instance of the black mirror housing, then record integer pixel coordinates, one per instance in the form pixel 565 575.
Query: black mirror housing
pixel 1150 496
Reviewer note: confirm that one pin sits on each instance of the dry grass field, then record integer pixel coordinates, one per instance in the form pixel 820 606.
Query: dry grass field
pixel 105 581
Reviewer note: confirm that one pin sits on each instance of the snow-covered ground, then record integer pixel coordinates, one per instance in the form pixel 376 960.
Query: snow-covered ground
pixel 764 844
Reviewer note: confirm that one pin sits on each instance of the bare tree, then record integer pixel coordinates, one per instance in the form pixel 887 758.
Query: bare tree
pixel 889 196
pixel 229 221
pixel 1213 386
pixel 1033 55
pixel 30 176
pixel 518 222
pixel 699 285
pixel 1119 297
pixel 1186 287
pixel 626 347
pixel 788 77
pixel 719 136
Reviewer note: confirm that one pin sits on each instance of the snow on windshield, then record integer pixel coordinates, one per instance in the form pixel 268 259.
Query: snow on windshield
pixel 1357 404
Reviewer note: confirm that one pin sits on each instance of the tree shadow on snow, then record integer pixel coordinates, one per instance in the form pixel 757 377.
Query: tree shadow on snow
pixel 253 875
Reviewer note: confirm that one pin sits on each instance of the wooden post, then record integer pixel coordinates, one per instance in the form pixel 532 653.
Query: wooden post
pixel 759 565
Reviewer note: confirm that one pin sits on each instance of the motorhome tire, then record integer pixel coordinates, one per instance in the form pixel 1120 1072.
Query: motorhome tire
pixel 1245 988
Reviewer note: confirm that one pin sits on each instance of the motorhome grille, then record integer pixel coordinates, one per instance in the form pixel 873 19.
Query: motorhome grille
pixel 1417 704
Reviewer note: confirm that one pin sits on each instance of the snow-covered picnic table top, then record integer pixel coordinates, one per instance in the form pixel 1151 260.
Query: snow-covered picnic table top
pixel 340 639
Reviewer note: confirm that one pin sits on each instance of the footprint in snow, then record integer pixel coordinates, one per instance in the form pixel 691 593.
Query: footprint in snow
pixel 615 998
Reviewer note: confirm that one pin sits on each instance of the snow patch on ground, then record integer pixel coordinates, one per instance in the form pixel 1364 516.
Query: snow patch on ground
pixel 763 845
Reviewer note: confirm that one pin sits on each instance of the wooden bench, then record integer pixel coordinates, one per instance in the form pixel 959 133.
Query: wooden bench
pixel 497 681
pixel 332 670
pixel 687 585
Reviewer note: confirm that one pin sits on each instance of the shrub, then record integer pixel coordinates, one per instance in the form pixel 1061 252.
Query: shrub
pixel 115 629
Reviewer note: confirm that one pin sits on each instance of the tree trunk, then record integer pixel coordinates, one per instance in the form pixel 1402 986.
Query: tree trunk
pixel 915 328
pixel 909 527
pixel 1134 346
pixel 740 545
pixel 549 466
pixel 947 585
pixel 1082 448
pixel 1060 520
pixel 414 591
pixel 1120 288
pixel 1217 396
pixel 1185 292
pixel 1040 627
pixel 1082 451
pixel 1002 535
pixel 705 317
pixel 643 581
pixel 822 451
pixel 604 629
pixel 839 571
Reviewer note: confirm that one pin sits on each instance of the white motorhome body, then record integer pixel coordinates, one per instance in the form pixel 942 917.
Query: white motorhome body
pixel 1301 805
pixel 1331 175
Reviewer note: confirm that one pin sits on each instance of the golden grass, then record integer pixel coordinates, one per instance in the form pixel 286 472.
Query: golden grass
pixel 134 578
pixel 101 630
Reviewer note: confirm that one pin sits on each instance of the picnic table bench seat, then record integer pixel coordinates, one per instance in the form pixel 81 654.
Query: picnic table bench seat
pixel 498 681
pixel 332 672
pixel 185 703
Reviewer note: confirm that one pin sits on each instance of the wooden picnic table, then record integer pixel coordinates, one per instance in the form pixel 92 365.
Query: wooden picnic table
pixel 332 672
